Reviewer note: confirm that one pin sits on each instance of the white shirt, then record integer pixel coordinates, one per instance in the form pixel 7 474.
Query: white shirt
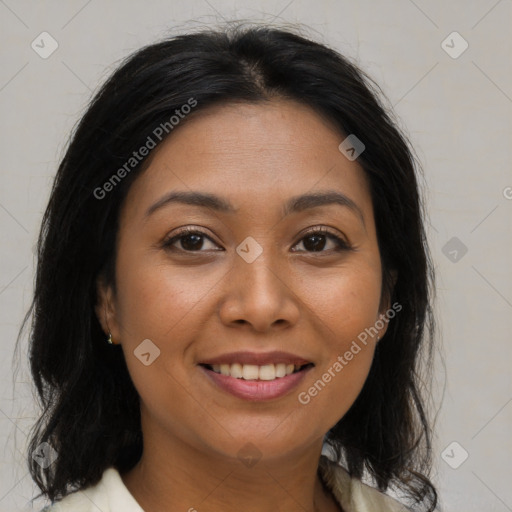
pixel 111 495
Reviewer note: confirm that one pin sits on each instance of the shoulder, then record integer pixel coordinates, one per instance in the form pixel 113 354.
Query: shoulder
pixel 108 495
pixel 352 494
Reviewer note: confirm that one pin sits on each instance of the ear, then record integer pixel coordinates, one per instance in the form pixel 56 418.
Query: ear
pixel 385 305
pixel 106 310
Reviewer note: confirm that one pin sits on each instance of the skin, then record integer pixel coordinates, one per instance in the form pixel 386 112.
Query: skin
pixel 200 304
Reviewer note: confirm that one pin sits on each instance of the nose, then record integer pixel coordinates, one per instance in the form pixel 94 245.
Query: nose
pixel 259 294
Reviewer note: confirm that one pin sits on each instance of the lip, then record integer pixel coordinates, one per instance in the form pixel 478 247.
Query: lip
pixel 256 390
pixel 259 359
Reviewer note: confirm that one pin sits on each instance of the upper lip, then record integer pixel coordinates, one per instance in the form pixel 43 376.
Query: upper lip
pixel 257 358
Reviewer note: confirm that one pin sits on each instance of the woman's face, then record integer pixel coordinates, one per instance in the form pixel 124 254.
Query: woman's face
pixel 254 279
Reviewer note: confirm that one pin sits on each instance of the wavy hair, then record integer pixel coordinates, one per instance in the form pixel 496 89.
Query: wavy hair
pixel 90 408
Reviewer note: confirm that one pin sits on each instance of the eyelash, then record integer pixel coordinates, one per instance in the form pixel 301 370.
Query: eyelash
pixel 342 245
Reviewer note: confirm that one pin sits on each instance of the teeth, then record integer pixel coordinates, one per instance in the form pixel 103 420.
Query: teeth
pixel 250 372
pixel 254 372
pixel 236 370
pixel 280 370
pixel 267 372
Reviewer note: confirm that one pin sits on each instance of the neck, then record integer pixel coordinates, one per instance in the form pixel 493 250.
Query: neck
pixel 182 478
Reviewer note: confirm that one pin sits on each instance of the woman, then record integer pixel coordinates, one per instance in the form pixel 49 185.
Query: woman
pixel 233 289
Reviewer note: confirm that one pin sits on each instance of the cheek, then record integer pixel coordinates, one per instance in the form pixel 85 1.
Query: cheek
pixel 157 304
pixel 346 308
pixel 354 309
pixel 345 302
pixel 166 306
pixel 156 298
pixel 341 375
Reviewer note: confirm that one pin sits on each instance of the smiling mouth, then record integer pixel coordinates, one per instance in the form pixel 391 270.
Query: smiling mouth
pixel 254 372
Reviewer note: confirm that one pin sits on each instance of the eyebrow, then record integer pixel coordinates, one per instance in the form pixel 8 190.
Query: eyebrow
pixel 293 205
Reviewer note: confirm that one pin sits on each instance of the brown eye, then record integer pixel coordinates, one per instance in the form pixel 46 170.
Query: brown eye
pixel 316 241
pixel 191 240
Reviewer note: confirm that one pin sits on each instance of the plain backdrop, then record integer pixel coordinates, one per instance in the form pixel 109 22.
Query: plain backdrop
pixel 455 104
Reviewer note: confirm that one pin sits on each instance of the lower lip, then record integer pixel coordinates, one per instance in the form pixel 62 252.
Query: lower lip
pixel 257 390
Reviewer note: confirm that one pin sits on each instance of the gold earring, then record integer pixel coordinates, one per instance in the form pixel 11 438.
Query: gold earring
pixel 110 340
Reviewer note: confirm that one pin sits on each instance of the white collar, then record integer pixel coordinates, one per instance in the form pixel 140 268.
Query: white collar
pixel 352 494
pixel 111 495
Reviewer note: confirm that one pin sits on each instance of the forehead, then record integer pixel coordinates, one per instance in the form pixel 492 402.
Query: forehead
pixel 253 153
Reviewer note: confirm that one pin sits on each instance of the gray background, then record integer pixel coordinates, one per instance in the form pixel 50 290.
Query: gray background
pixel 457 112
